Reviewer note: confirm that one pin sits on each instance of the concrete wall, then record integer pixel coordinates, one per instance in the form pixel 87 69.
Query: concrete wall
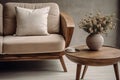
pixel 78 9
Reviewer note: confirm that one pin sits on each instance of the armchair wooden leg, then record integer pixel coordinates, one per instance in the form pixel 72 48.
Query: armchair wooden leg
pixel 63 63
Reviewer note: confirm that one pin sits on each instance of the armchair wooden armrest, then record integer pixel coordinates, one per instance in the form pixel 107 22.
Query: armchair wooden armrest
pixel 67 27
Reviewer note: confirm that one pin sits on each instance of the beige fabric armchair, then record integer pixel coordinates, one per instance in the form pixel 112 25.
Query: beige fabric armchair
pixel 29 48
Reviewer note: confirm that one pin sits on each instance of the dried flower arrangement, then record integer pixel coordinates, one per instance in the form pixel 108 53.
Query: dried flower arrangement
pixel 97 24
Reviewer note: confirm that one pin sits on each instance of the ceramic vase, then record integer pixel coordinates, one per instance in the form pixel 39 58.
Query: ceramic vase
pixel 94 41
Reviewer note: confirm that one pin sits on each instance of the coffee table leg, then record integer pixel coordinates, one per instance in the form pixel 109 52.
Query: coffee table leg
pixel 116 71
pixel 79 66
pixel 84 71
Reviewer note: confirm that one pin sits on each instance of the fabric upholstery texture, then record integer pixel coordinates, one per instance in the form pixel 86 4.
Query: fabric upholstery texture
pixel 1 44
pixel 1 19
pixel 33 44
pixel 32 21
pixel 10 16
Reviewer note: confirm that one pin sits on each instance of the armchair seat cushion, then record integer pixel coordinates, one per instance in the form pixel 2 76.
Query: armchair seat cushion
pixel 1 44
pixel 33 44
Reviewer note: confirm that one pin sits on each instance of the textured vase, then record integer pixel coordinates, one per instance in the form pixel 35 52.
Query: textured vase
pixel 94 41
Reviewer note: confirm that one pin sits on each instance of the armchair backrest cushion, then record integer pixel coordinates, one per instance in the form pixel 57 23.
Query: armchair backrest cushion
pixel 10 16
pixel 1 19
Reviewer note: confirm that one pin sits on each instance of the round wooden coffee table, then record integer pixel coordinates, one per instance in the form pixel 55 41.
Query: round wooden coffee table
pixel 105 56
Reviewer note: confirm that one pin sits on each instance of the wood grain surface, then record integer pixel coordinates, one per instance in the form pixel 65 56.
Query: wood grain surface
pixel 105 56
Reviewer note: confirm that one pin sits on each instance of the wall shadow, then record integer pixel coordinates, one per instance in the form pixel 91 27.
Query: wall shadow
pixel 118 26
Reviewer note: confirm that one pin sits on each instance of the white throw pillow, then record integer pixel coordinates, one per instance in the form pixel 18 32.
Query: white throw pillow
pixel 32 21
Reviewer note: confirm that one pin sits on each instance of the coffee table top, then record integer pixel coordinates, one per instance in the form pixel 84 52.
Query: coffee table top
pixel 105 56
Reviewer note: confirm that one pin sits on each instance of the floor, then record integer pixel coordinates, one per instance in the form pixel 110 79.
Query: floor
pixel 50 70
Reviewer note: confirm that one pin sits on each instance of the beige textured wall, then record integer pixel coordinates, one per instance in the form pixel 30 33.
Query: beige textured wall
pixel 78 9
